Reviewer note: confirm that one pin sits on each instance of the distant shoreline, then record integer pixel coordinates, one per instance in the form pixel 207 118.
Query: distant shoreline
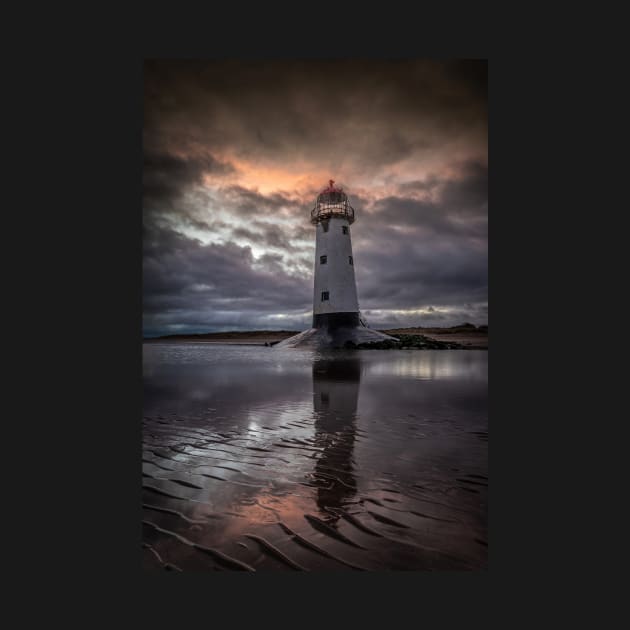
pixel 467 335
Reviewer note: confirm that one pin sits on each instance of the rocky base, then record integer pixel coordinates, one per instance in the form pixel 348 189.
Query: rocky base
pixel 337 338
pixel 364 338
pixel 419 342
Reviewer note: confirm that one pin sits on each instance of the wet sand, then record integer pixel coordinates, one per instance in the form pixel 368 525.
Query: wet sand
pixel 256 337
pixel 253 464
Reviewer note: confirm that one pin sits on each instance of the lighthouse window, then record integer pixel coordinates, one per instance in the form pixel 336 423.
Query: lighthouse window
pixel 324 296
pixel 350 260
pixel 344 229
pixel 323 259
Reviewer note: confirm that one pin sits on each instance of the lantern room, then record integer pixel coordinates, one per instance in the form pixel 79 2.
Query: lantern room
pixel 332 202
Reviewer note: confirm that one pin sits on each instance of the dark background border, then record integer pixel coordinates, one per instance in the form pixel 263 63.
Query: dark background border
pixel 96 508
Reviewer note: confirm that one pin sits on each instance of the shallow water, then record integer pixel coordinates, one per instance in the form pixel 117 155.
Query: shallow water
pixel 258 458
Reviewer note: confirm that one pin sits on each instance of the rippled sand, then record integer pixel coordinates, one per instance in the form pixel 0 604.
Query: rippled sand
pixel 260 459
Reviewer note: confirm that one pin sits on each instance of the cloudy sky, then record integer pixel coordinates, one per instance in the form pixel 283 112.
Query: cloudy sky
pixel 235 153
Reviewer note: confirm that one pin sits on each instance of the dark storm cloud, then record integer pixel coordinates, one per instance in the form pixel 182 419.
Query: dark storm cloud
pixel 187 283
pixel 423 215
pixel 411 252
pixel 468 192
pixel 247 202
pixel 422 186
pixel 420 274
pixel 176 265
pixel 235 153
pixel 369 112
pixel 270 235
pixel 166 176
pixel 455 206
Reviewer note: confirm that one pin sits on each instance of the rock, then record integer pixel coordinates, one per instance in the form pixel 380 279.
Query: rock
pixel 405 342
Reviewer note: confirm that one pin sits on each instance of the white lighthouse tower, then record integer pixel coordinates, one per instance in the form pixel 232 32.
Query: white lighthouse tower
pixel 336 317
pixel 335 300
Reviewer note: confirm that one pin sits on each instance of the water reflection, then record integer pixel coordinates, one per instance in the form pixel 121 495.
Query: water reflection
pixel 335 397
pixel 387 450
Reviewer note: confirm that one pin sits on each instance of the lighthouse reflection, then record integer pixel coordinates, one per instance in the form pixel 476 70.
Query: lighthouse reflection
pixel 336 382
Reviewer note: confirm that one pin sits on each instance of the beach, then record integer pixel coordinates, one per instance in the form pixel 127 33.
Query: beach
pixel 467 336
pixel 299 460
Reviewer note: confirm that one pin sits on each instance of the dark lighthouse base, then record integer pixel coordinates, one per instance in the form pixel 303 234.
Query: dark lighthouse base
pixel 334 330
pixel 334 321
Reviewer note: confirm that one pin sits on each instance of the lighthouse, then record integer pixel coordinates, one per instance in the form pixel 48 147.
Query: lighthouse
pixel 335 302
pixel 336 317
